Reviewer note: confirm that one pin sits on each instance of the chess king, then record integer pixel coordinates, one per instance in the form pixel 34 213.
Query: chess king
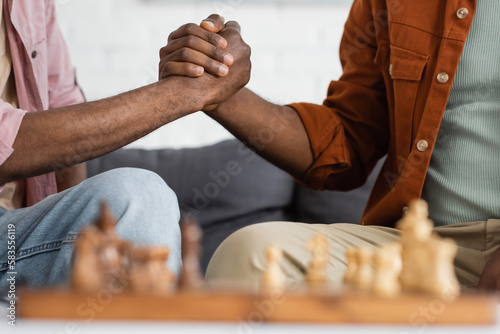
pixel 419 87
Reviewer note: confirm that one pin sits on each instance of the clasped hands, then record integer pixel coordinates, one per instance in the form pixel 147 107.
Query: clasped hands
pixel 213 53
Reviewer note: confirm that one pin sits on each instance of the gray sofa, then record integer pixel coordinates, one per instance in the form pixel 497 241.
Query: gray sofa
pixel 227 187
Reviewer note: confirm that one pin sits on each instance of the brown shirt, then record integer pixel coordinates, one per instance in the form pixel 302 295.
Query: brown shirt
pixel 399 59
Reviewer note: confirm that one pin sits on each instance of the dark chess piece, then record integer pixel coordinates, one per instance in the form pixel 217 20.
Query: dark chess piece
pixel 101 257
pixel 149 272
pixel 191 276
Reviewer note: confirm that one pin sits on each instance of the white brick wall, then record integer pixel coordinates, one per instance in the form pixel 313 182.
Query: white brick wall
pixel 114 45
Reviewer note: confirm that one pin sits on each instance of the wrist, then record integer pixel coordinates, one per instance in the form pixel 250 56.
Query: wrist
pixel 229 105
pixel 188 93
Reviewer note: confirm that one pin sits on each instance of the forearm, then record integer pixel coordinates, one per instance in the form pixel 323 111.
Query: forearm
pixel 55 139
pixel 274 132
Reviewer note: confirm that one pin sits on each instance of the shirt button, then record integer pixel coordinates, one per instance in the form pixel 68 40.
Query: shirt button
pixel 443 77
pixel 33 54
pixel 462 13
pixel 422 145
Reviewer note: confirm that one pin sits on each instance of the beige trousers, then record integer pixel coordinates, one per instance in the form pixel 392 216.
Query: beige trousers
pixel 241 257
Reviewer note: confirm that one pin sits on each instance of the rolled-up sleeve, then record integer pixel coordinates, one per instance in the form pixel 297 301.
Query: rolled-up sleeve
pixel 350 132
pixel 10 122
pixel 328 144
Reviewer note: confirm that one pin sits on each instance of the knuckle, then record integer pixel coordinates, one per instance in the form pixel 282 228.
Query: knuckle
pixel 184 53
pixel 171 36
pixel 190 40
pixel 165 70
pixel 235 35
pixel 167 67
pixel 217 53
pixel 212 38
pixel 231 31
pixel 248 50
pixel 189 28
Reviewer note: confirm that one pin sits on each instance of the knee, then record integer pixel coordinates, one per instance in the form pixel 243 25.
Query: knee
pixel 133 182
pixel 146 208
pixel 242 254
pixel 143 189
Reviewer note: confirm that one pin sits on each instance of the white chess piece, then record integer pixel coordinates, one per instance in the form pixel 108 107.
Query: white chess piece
pixel 427 259
pixel 273 277
pixel 388 265
pixel 352 265
pixel 316 273
pixel 363 277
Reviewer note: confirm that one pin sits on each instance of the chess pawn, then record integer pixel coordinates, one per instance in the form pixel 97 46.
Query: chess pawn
pixel 149 273
pixel 388 265
pixel 316 273
pixel 363 278
pixel 273 277
pixel 352 265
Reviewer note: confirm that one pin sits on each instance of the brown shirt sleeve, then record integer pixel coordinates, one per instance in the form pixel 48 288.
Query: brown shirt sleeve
pixel 350 132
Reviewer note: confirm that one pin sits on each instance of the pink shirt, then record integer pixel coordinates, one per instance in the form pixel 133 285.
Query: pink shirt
pixel 45 78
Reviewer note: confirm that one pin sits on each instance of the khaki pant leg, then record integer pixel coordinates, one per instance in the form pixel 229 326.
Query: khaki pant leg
pixel 241 257
pixel 476 241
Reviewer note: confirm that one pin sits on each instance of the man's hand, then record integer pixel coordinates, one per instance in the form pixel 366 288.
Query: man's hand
pixel 193 49
pixel 490 277
pixel 215 53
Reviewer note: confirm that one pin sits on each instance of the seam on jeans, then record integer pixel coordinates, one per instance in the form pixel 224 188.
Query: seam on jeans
pixel 43 248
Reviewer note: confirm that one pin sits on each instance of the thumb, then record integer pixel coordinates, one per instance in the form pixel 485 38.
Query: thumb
pixel 213 23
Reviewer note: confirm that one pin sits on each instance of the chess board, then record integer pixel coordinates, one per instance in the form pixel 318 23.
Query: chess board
pixel 113 280
pixel 236 306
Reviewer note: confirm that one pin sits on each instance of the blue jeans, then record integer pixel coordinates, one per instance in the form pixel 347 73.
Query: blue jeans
pixel 146 209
